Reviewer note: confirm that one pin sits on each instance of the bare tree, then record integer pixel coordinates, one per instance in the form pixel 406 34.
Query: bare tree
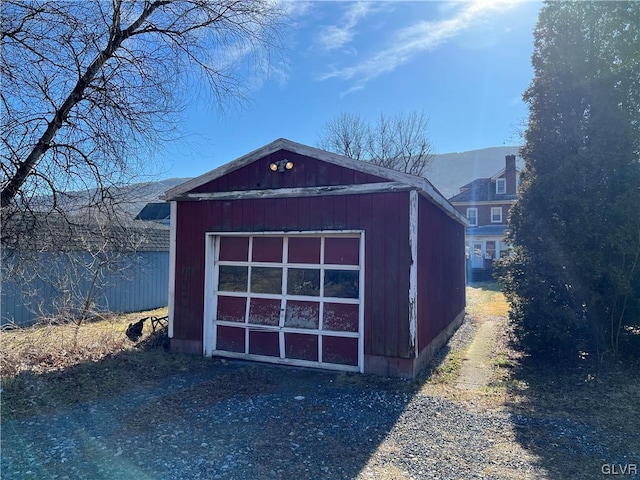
pixel 399 142
pixel 90 88
pixel 67 270
pixel 346 134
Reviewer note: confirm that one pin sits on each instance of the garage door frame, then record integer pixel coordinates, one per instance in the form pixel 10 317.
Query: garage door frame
pixel 212 244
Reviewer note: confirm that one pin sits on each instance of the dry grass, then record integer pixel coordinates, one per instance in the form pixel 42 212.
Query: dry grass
pixel 449 370
pixel 594 404
pixel 47 348
pixel 486 300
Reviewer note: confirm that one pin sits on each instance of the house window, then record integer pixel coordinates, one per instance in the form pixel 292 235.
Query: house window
pixel 496 214
pixel 501 186
pixel 490 249
pixel 472 216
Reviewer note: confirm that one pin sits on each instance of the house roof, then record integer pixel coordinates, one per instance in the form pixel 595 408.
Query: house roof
pixel 51 233
pixel 421 184
pixel 487 231
pixel 155 211
pixel 480 190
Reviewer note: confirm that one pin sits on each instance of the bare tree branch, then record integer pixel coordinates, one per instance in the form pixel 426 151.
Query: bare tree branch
pixel 90 90
pixel 399 142
pixel 109 77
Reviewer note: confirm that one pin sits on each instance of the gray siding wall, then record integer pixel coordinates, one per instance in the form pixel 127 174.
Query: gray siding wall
pixel 139 283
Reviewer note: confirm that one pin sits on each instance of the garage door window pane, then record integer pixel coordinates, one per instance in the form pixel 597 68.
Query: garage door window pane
pixel 303 281
pixel 301 347
pixel 232 278
pixel 304 250
pixel 230 339
pixel 267 249
pixel 302 314
pixel 266 280
pixel 341 317
pixel 234 249
pixel 342 251
pixel 231 309
pixel 263 311
pixel 343 351
pixel 341 283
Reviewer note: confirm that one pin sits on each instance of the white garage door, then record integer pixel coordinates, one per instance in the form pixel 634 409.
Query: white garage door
pixel 287 298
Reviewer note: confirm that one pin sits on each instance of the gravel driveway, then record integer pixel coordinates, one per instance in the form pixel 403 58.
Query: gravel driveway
pixel 253 422
pixel 237 420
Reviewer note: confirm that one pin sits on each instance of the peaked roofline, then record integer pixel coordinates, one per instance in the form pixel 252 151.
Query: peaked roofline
pixel 419 183
pixel 501 173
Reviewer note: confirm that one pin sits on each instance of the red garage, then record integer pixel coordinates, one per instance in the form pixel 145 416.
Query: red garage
pixel 298 256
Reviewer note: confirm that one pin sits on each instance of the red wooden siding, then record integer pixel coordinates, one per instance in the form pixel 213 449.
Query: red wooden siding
pixel 383 216
pixel 441 282
pixel 189 273
pixel 307 172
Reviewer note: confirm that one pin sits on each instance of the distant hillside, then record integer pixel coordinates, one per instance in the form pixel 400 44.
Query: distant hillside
pixel 139 194
pixel 131 198
pixel 450 171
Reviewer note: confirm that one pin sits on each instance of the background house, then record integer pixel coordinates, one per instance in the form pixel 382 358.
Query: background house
pixel 155 212
pixel 298 256
pixel 68 270
pixel 485 202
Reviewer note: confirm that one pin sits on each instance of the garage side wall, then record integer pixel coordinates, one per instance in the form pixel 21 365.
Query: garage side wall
pixel 383 216
pixel 441 270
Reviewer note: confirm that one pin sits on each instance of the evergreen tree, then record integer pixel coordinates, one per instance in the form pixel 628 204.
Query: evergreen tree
pixel 573 282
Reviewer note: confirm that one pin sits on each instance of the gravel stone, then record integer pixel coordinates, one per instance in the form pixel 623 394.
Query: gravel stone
pixel 253 421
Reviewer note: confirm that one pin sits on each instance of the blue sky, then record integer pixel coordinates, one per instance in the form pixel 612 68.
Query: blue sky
pixel 465 64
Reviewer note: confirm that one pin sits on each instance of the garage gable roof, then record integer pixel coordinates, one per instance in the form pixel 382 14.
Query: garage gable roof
pixel 420 184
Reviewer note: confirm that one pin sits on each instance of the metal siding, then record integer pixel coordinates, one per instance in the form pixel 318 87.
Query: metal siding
pixel 384 217
pixel 142 284
pixel 389 270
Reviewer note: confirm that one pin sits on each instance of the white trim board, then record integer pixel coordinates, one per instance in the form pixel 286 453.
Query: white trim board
pixel 413 271
pixel 300 192
pixel 172 265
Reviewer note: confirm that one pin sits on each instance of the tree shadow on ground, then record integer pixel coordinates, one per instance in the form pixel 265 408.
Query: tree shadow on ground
pixel 147 413
pixel 489 285
pixel 580 420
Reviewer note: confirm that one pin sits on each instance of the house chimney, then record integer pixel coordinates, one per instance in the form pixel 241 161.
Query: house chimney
pixel 510 174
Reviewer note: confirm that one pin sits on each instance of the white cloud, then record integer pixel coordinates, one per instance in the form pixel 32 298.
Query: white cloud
pixel 415 39
pixel 332 37
pixel 296 8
